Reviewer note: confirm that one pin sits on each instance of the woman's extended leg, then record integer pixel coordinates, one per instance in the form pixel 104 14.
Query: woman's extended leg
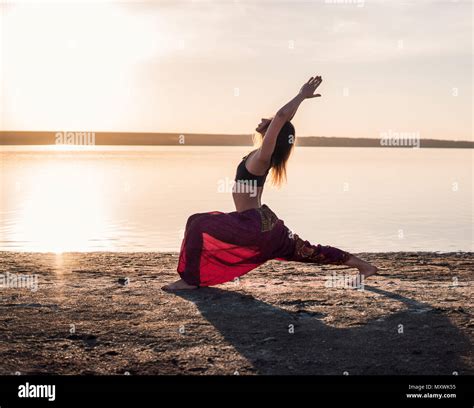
pixel 304 251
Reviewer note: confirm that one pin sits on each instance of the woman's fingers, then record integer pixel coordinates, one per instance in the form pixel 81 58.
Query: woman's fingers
pixel 316 81
pixel 313 83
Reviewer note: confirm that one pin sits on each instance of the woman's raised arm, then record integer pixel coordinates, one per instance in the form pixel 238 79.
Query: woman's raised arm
pixel 283 115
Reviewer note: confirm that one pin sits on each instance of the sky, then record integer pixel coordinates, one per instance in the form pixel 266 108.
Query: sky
pixel 220 66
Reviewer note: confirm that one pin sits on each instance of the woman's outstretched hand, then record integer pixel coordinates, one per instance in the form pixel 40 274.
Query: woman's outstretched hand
pixel 287 112
pixel 308 89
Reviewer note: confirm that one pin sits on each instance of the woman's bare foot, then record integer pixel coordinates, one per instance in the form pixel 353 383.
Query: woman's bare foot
pixel 365 269
pixel 178 285
pixel 368 270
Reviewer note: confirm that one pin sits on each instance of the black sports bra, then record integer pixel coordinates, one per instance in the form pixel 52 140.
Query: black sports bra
pixel 243 174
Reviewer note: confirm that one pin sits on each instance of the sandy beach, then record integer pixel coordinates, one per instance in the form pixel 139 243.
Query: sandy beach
pixel 104 313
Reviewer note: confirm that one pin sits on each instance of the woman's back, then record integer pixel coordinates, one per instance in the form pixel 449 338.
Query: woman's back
pixel 249 180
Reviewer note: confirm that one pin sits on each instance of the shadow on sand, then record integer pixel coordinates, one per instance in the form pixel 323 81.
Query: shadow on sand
pixel 260 332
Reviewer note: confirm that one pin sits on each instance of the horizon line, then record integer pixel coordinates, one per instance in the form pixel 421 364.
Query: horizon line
pixel 2 132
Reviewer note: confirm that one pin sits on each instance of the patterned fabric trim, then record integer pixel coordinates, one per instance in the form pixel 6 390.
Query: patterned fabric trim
pixel 268 217
pixel 306 252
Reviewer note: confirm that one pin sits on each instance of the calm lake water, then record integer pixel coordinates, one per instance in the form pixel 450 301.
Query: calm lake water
pixel 139 198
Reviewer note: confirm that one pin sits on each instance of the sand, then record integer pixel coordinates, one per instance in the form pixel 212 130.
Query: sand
pixel 104 313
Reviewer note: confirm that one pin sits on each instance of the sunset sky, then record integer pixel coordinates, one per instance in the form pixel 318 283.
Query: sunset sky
pixel 219 66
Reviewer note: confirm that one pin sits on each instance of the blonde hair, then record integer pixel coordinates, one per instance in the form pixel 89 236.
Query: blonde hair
pixel 285 141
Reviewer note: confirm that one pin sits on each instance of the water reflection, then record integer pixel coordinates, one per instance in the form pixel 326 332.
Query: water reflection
pixel 58 199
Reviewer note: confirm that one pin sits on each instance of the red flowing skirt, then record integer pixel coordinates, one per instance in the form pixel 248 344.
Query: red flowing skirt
pixel 218 247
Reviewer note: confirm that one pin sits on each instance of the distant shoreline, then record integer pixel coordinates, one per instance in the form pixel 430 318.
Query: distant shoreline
pixel 9 138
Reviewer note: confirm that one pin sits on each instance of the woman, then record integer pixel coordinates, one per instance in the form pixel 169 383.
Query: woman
pixel 219 247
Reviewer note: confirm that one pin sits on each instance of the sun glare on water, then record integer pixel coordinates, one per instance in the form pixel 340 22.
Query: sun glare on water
pixel 63 209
